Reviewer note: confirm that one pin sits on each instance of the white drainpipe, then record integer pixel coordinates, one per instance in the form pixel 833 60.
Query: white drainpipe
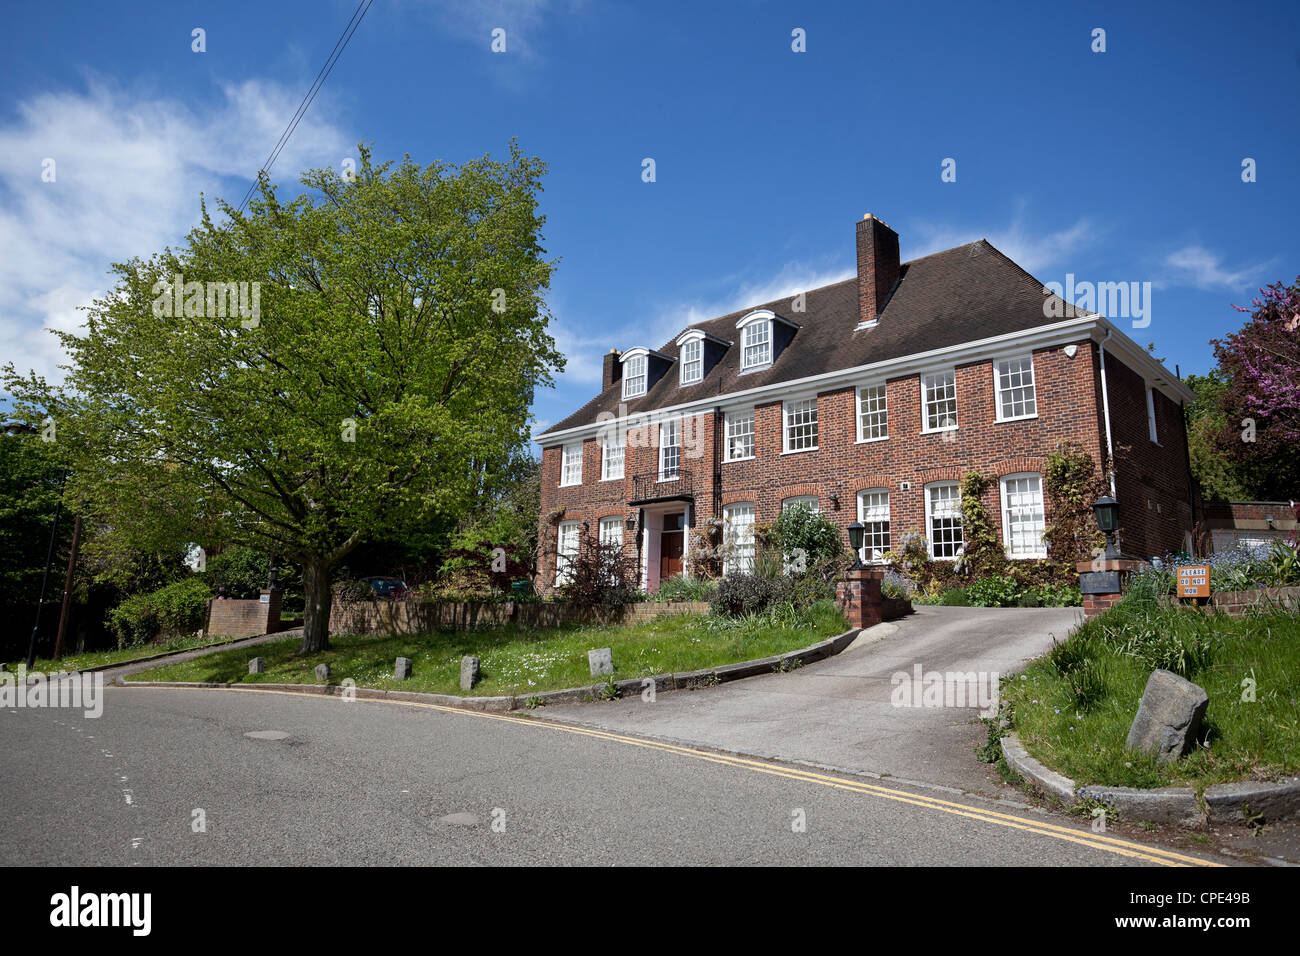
pixel 1105 406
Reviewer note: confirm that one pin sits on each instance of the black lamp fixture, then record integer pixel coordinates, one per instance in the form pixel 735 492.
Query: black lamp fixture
pixel 1106 509
pixel 855 542
pixel 271 575
pixel 630 523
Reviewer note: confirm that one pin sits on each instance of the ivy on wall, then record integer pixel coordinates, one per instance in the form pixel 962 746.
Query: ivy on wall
pixel 1072 483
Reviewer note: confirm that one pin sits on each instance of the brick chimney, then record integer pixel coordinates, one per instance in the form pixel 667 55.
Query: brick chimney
pixel 613 369
pixel 877 266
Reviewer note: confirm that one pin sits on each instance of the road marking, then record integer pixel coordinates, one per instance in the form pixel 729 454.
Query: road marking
pixel 1086 838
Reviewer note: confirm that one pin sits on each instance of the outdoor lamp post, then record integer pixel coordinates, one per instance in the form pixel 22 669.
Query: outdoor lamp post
pixel 855 542
pixel 271 574
pixel 1107 511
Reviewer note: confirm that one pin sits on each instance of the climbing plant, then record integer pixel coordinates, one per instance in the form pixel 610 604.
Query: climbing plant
pixel 983 553
pixel 1072 483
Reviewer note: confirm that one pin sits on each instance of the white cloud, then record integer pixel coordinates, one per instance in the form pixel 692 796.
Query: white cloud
pixel 522 21
pixel 128 174
pixel 1199 267
pixel 1032 251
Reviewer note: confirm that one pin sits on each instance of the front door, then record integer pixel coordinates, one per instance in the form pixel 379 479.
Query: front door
pixel 670 546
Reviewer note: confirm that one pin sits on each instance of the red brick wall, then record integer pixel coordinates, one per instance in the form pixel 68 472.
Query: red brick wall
pixel 1151 480
pixel 1069 409
pixel 235 617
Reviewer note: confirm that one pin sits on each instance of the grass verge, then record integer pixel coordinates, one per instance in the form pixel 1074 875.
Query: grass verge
pixel 1072 708
pixel 79 662
pixel 521 661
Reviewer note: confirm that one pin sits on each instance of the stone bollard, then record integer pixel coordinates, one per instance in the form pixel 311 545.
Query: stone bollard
pixel 322 673
pixel 1168 717
pixel 402 669
pixel 469 672
pixel 257 666
pixel 600 661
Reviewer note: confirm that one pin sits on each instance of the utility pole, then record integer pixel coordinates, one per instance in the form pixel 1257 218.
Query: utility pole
pixel 67 590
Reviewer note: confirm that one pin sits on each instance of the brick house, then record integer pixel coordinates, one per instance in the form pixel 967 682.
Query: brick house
pixel 869 399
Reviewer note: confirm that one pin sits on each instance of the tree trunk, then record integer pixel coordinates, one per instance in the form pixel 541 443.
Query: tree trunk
pixel 316 610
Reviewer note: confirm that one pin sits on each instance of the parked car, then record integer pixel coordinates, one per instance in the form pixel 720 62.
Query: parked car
pixel 393 589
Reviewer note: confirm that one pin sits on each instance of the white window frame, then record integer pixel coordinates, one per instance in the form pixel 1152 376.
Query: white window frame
pixel 756 334
pixel 999 390
pixel 670 452
pixel 1152 432
pixel 571 464
pixel 610 531
pixel 1038 517
pixel 615 442
pixel 692 368
pixel 739 554
pixel 874 543
pixel 636 368
pixel 563 558
pixel 731 432
pixel 812 501
pixel 930 518
pixel 926 388
pixel 796 406
pixel 875 412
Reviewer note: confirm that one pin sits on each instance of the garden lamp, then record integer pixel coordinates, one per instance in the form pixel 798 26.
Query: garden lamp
pixel 855 542
pixel 1107 511
pixel 271 574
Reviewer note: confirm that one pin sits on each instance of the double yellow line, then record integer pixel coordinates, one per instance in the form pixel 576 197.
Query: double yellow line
pixel 1088 838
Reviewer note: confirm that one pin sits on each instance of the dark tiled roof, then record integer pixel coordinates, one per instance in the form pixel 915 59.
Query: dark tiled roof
pixel 961 295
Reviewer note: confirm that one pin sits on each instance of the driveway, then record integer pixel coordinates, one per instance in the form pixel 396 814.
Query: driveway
pixel 837 713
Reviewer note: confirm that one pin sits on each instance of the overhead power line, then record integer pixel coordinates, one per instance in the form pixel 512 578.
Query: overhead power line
pixel 341 44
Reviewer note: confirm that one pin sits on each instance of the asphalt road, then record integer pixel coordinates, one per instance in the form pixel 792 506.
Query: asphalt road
pixel 839 712
pixel 377 783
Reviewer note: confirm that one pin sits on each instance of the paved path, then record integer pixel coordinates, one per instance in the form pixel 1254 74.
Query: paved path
pixel 112 674
pixel 838 713
pixel 377 782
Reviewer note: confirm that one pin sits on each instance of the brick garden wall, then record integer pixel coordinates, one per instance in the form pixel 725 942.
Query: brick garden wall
pixel 237 617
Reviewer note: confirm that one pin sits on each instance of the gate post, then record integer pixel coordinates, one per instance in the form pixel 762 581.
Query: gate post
pixel 858 596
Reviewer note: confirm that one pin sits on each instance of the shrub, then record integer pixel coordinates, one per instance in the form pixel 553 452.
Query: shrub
pixel 683 588
pixel 954 597
pixel 171 611
pixel 745 594
pixel 601 576
pixel 895 585
pixel 997 590
pixel 806 537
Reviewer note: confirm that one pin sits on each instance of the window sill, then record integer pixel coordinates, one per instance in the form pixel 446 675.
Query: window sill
pixel 755 368
pixel 728 461
pixel 616 478
pixel 800 451
pixel 571 484
pixel 871 441
pixel 1018 418
pixel 939 431
pixel 666 481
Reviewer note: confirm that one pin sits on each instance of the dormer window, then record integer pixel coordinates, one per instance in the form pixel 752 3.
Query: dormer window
pixel 692 361
pixel 697 352
pixel 634 376
pixel 763 334
pixel 756 345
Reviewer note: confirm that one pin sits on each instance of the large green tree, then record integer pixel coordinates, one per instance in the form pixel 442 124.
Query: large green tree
pixel 391 354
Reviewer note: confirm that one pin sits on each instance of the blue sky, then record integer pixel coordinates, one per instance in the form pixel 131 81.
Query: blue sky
pixel 1115 166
